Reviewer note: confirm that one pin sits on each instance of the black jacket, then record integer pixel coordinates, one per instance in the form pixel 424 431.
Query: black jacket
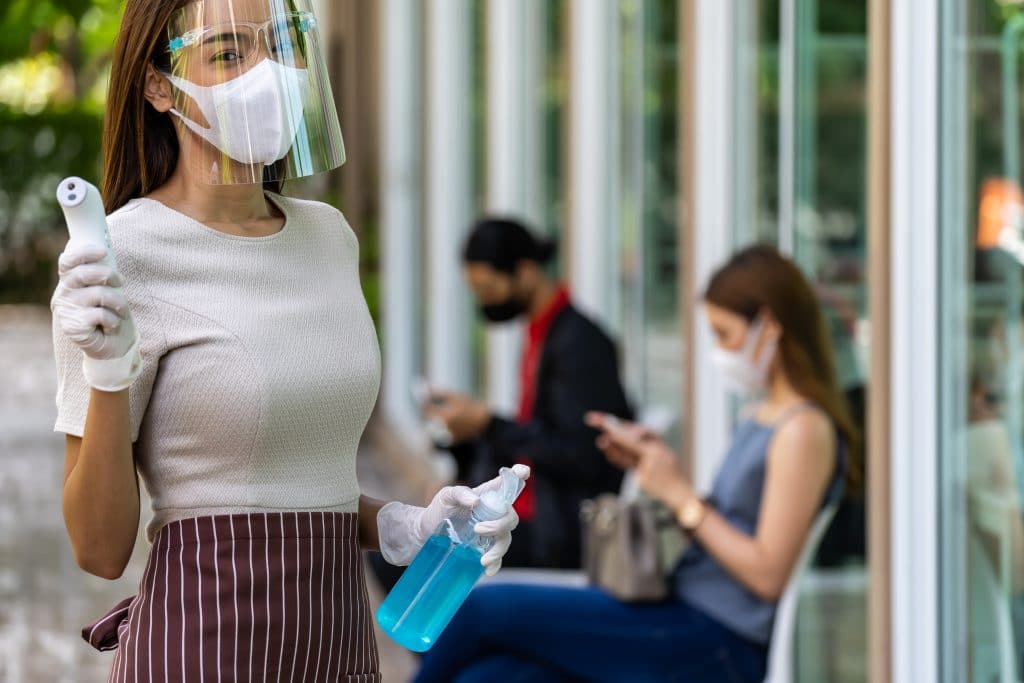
pixel 578 372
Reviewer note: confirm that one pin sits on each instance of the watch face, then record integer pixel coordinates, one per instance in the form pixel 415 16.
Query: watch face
pixel 690 514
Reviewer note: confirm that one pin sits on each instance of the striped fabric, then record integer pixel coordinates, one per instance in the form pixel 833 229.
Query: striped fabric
pixel 247 597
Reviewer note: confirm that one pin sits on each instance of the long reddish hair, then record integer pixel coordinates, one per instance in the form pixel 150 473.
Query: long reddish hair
pixel 140 147
pixel 759 278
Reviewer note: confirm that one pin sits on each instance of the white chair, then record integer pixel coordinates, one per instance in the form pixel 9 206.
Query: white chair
pixel 562 578
pixel 992 641
pixel 780 652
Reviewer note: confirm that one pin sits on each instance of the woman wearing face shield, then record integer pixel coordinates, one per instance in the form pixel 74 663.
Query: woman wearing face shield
pixel 239 395
pixel 569 366
pixel 787 460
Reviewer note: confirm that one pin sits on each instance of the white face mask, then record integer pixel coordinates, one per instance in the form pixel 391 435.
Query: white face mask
pixel 253 118
pixel 742 373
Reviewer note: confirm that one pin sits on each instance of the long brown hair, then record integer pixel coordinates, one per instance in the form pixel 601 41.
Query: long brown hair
pixel 759 278
pixel 140 147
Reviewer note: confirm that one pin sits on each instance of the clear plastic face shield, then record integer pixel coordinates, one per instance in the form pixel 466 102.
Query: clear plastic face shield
pixel 251 88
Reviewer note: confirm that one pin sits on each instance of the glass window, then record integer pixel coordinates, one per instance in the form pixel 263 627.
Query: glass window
pixel 648 182
pixel 981 343
pixel 800 90
pixel 542 105
pixel 478 191
pixel 546 195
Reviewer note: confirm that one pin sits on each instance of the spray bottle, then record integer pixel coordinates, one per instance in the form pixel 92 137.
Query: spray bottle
pixel 441 576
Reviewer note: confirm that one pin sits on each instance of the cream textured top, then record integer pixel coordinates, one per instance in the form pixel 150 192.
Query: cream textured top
pixel 261 362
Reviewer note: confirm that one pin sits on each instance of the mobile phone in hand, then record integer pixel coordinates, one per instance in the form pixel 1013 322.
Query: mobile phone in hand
pixel 423 395
pixel 604 421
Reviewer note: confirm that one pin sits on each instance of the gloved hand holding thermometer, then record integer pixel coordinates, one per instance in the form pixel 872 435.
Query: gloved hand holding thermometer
pixel 89 303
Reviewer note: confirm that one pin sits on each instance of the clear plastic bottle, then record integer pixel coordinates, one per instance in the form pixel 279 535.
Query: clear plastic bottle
pixel 443 573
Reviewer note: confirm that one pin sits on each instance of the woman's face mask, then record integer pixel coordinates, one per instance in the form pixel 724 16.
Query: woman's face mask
pixel 743 373
pixel 253 118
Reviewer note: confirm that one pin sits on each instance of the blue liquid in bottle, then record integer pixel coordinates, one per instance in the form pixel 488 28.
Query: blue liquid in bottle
pixel 441 576
pixel 430 592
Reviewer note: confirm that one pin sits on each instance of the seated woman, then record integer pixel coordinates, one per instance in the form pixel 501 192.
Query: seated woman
pixel 786 462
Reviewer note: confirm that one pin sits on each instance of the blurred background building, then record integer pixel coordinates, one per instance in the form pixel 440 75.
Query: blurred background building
pixel 878 143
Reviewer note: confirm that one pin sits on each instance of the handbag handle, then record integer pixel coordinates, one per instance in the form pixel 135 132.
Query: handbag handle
pixel 629 491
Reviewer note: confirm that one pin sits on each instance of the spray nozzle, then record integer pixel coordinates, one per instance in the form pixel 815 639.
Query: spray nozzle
pixel 494 504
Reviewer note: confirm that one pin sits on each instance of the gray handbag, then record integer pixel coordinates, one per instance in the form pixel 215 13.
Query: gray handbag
pixel 630 545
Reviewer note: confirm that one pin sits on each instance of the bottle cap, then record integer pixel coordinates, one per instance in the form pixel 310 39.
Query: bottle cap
pixel 494 504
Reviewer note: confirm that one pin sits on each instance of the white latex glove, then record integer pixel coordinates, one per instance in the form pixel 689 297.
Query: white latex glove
pixel 93 313
pixel 403 529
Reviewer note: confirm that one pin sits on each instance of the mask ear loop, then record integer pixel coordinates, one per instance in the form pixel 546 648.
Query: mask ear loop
pixel 182 85
pixel 754 335
pixel 191 124
pixel 754 332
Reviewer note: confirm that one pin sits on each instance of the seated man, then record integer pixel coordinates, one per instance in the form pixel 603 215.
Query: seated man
pixel 569 367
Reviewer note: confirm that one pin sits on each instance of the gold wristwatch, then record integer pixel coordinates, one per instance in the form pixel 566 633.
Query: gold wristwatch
pixel 691 513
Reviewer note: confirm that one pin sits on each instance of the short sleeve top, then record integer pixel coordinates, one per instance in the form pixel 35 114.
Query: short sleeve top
pixel 261 363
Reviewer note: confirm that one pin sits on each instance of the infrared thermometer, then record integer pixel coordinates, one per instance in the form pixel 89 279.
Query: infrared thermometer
pixel 86 219
pixel 83 212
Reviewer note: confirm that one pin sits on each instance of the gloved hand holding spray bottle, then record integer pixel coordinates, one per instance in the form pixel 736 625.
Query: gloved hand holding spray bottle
pixel 465 523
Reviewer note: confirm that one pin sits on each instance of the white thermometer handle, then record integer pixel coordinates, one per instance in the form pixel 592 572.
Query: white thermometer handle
pixel 83 211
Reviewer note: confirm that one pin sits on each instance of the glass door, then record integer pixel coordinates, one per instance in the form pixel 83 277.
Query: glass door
pixel 981 343
pixel 648 196
pixel 800 84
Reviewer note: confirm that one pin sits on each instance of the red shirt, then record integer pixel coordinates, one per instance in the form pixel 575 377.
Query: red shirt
pixel 536 334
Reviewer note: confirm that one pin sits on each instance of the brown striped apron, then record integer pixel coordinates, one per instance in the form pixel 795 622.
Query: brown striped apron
pixel 247 597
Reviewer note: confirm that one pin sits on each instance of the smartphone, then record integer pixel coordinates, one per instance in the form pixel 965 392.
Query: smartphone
pixel 420 391
pixel 610 422
pixel 423 395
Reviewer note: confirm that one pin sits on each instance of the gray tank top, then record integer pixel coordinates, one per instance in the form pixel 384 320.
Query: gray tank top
pixel 703 583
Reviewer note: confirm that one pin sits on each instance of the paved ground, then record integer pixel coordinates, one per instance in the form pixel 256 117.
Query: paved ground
pixel 45 599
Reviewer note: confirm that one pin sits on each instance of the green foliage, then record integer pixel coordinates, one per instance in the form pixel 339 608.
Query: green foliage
pixel 81 32
pixel 996 15
pixel 36 152
pixel 848 17
pixel 30 26
pixel 38 148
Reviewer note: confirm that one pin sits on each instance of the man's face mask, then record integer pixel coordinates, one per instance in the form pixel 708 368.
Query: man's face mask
pixel 506 311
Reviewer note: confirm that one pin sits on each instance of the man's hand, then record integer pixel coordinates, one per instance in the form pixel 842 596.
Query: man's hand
pixel 465 417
